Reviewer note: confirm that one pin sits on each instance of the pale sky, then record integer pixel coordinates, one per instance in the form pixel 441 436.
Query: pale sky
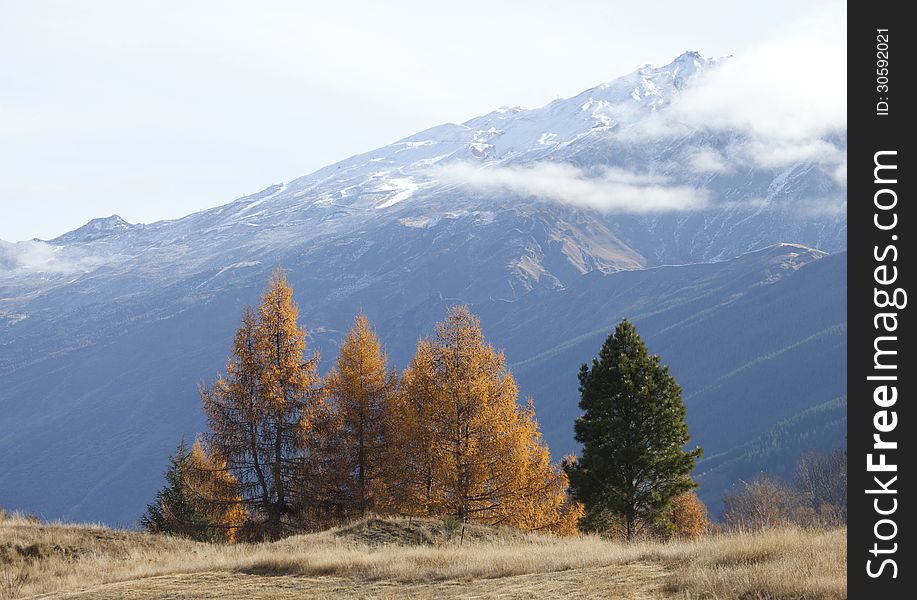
pixel 156 109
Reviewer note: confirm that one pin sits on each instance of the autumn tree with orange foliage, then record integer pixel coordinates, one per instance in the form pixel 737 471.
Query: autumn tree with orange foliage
pixel 465 446
pixel 412 451
pixel 542 503
pixel 360 389
pixel 684 517
pixel 215 492
pixel 688 515
pixel 261 410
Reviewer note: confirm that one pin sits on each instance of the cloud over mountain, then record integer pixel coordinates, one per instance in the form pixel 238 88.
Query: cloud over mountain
pixel 612 190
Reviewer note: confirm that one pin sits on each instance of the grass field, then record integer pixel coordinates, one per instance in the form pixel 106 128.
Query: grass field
pixel 395 558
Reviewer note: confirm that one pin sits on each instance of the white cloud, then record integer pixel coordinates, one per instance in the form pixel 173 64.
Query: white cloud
pixel 35 255
pixel 708 160
pixel 614 190
pixel 776 153
pixel 786 99
pixel 822 207
pixel 792 87
pixel 840 173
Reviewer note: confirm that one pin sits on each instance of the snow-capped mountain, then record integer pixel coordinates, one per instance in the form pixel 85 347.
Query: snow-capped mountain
pixel 403 183
pixel 511 212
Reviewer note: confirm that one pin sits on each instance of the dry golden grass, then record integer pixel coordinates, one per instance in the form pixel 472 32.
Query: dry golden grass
pixel 395 559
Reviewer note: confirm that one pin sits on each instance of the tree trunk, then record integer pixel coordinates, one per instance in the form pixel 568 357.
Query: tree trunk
pixel 262 482
pixel 280 506
pixel 362 466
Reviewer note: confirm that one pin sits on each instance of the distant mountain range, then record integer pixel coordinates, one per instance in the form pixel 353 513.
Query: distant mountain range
pixel 551 223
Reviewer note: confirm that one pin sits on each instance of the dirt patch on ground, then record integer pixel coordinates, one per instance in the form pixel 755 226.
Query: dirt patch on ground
pixel 624 582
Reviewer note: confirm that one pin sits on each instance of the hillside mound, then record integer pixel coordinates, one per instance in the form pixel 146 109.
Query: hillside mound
pixel 25 540
pixel 376 531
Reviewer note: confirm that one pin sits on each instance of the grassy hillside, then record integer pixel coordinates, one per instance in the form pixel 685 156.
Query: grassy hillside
pixel 395 558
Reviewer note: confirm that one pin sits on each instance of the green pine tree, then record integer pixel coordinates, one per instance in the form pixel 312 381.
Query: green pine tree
pixel 633 433
pixel 172 510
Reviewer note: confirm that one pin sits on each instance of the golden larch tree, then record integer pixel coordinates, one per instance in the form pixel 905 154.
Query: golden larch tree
pixel 215 493
pixel 543 503
pixel 469 450
pixel 260 411
pixel 413 453
pixel 360 389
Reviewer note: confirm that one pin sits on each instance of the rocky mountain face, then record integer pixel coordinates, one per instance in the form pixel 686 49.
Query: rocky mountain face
pixel 551 223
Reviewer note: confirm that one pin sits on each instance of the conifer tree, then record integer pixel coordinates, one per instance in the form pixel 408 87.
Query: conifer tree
pixel 412 450
pixel 360 388
pixel 543 502
pixel 471 418
pixel 172 510
pixel 262 410
pixel 633 431
pixel 468 449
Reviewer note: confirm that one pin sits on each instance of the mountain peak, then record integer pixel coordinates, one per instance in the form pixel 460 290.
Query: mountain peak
pixel 113 221
pixel 95 229
pixel 684 66
pixel 687 56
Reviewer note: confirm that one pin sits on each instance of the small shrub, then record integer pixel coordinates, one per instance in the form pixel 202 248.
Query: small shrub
pixel 605 524
pixel 762 503
pixel 821 479
pixel 451 525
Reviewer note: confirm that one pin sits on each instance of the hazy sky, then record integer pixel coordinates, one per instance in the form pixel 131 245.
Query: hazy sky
pixel 155 109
